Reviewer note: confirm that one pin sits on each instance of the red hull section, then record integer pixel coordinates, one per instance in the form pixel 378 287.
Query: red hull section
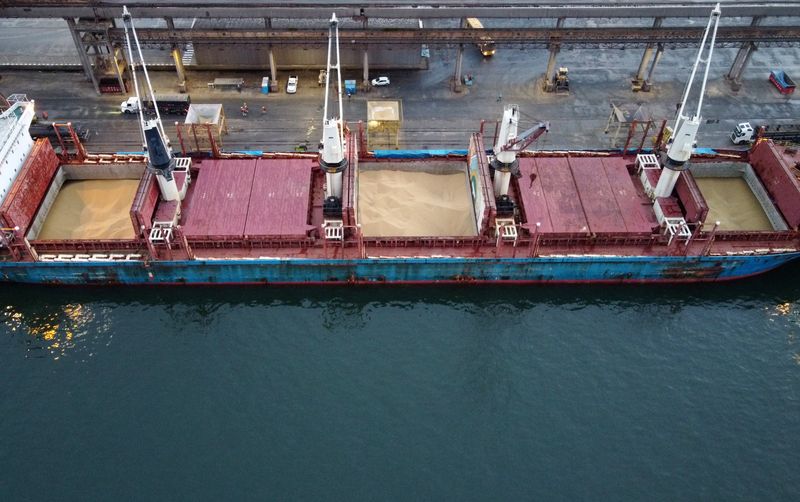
pixel 592 204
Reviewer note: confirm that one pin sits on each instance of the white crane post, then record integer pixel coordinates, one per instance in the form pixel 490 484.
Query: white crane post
pixel 333 158
pixel 685 135
pixel 505 157
pixel 155 142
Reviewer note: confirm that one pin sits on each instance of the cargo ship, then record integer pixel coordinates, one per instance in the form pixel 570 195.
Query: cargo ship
pixel 348 215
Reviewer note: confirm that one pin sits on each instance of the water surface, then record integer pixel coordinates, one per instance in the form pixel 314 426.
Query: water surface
pixel 455 393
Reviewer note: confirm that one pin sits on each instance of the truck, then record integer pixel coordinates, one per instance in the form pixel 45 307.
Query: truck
pixel 46 130
pixel 746 133
pixel 485 43
pixel 168 104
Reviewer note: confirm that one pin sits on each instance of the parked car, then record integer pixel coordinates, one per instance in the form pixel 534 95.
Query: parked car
pixel 380 81
pixel 291 85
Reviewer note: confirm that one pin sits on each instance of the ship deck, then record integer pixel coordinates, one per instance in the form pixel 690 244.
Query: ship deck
pixel 595 204
pixel 235 198
pixel 583 195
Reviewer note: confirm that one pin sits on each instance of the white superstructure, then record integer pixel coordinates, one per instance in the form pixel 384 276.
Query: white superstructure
pixel 15 142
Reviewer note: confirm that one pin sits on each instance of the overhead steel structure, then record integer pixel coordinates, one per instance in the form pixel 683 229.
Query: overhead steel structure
pixel 96 35
pixel 410 9
pixel 537 37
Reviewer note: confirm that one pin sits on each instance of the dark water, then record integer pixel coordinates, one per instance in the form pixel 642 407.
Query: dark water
pixel 454 393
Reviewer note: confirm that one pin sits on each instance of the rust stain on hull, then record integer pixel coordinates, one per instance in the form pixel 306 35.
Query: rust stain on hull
pixel 699 271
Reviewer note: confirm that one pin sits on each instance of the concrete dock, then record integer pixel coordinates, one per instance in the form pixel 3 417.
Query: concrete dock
pixel 434 115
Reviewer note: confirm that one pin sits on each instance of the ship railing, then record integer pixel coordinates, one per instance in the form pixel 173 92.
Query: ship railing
pixel 79 257
pixel 486 182
pixel 85 245
pixel 549 239
pixel 600 239
pixel 423 242
pixel 249 242
pixel 752 236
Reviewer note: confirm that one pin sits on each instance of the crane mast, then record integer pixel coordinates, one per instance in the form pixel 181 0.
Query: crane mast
pixel 684 138
pixel 155 142
pixel 505 160
pixel 332 154
pixel 509 143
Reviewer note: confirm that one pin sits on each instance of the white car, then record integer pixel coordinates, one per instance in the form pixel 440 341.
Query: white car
pixel 380 81
pixel 291 85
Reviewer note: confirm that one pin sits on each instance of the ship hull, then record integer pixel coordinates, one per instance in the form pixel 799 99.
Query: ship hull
pixel 562 269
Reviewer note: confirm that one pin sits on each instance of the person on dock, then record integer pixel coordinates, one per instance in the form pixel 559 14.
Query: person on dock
pixel 245 110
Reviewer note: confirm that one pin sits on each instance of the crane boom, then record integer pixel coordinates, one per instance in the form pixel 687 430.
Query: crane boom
pixel 155 142
pixel 685 136
pixel 525 139
pixel 332 155
pixel 508 144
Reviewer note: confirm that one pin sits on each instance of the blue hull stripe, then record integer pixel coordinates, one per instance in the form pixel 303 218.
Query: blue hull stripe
pixel 400 270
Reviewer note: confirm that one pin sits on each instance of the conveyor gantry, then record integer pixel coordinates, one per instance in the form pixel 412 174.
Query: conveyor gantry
pixel 672 37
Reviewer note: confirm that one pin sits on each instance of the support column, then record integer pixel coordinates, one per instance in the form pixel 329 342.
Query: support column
pixel 547 82
pixel 87 66
pixel 639 79
pixel 742 59
pixel 459 61
pixel 273 70
pixel 648 83
pixel 551 68
pixel 734 77
pixel 648 53
pixel 365 64
pixel 177 57
pixel 118 56
pixel 366 69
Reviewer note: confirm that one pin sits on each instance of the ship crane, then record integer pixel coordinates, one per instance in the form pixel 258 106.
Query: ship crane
pixel 684 139
pixel 155 142
pixel 508 145
pixel 332 154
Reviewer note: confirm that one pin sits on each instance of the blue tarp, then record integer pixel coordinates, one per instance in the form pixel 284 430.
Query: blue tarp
pixel 257 153
pixel 415 154
pixel 704 151
pixel 425 154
